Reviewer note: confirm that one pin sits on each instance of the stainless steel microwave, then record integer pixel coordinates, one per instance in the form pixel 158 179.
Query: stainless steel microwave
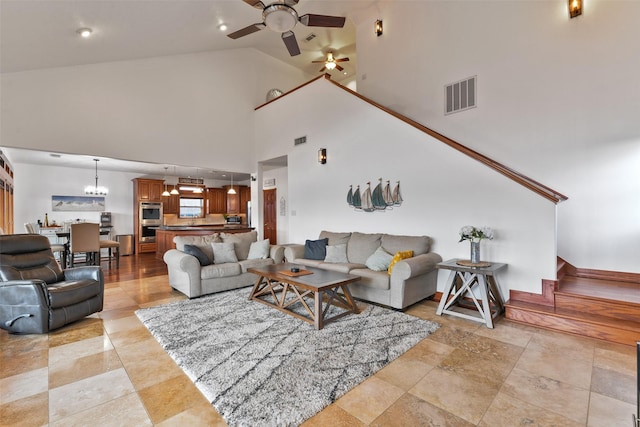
pixel 150 211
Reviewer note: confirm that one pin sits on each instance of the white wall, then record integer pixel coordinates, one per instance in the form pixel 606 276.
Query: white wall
pixel 35 184
pixel 194 109
pixel 443 189
pixel 558 100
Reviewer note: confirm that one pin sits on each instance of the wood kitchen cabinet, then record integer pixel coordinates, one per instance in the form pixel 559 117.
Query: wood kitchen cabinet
pixel 233 202
pixel 145 190
pixel 171 204
pixel 245 196
pixel 148 190
pixel 216 200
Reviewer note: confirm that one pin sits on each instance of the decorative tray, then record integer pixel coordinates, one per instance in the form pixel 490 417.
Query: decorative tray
pixel 468 263
pixel 296 274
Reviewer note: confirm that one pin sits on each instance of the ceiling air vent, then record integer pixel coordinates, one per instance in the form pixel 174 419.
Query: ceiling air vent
pixel 300 140
pixel 310 37
pixel 460 96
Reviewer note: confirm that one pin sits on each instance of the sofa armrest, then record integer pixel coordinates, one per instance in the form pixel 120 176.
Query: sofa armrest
pixel 276 253
pixel 84 273
pixel 176 259
pixel 292 252
pixel 416 266
pixel 184 272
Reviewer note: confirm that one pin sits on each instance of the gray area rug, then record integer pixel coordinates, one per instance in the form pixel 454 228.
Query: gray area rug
pixel 260 367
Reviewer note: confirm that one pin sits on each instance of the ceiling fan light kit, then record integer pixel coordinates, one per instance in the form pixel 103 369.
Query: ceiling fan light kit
pixel 378 27
pixel 575 8
pixel 281 17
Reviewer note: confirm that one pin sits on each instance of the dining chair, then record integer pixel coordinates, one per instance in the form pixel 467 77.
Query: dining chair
pixel 55 247
pixel 111 245
pixel 85 238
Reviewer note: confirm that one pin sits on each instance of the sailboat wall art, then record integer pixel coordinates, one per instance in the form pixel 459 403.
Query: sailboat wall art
pixel 380 199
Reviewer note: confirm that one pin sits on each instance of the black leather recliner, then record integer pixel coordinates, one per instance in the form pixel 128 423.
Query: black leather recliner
pixel 36 296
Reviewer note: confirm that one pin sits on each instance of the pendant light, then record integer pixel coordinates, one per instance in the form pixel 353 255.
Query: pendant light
pixel 165 193
pixel 231 190
pixel 198 190
pixel 95 190
pixel 174 191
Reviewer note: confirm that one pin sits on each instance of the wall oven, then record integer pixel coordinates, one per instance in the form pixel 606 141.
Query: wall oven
pixel 150 217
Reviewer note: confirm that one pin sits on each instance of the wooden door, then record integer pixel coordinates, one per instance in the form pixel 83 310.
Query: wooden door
pixel 270 230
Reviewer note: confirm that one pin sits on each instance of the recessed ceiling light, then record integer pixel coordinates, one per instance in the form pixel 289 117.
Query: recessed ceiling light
pixel 55 155
pixel 222 27
pixel 85 32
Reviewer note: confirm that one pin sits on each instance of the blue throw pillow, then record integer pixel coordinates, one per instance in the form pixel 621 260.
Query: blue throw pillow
pixel 203 259
pixel 316 249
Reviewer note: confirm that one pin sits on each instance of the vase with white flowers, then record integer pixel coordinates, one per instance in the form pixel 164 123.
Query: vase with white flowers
pixel 474 235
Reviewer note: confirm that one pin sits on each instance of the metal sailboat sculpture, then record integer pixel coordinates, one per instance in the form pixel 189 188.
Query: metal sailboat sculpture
pixel 396 196
pixel 357 201
pixel 350 196
pixel 386 194
pixel 377 197
pixel 367 203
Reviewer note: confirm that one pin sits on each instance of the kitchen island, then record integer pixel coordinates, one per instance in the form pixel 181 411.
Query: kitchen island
pixel 166 233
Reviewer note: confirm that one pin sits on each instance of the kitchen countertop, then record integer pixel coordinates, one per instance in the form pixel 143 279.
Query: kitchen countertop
pixel 199 227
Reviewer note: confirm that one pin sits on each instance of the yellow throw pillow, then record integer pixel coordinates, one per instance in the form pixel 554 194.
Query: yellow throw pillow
pixel 400 255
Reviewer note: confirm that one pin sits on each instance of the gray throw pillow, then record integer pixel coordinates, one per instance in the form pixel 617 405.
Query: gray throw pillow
pixel 223 253
pixel 336 253
pixel 259 250
pixel 315 249
pixel 203 259
pixel 379 260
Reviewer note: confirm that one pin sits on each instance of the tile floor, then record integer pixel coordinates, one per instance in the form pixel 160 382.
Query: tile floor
pixel 108 370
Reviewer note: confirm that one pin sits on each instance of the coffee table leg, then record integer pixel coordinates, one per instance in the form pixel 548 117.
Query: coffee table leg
pixel 318 310
pixel 255 287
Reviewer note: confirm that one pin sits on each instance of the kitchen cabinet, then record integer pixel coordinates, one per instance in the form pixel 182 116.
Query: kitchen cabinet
pixel 245 196
pixel 145 190
pixel 233 200
pixel 216 200
pixel 149 190
pixel 6 195
pixel 171 204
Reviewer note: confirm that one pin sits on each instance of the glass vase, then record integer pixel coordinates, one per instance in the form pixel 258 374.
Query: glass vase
pixel 475 252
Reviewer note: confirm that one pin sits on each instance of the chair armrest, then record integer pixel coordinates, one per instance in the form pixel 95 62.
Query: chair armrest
pixel 276 253
pixel 24 306
pixel 292 252
pixel 416 266
pixel 84 273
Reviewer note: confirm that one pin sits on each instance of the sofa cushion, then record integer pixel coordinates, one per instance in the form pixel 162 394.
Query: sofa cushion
pixel 315 249
pixel 241 241
pixel 361 246
pixel 259 250
pixel 373 279
pixel 399 256
pixel 253 263
pixel 340 267
pixel 202 242
pixel 308 262
pixel 194 250
pixel 223 253
pixel 379 260
pixel 336 253
pixel 215 271
pixel 418 244
pixel 335 238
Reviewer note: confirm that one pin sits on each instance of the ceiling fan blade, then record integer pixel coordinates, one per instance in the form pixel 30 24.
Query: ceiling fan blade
pixel 291 43
pixel 342 59
pixel 319 62
pixel 339 67
pixel 255 3
pixel 311 20
pixel 289 2
pixel 246 31
pixel 323 68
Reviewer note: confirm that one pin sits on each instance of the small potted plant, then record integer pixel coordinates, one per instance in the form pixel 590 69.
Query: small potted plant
pixel 475 235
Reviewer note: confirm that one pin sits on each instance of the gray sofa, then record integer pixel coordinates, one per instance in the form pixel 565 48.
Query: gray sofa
pixel 411 280
pixel 187 275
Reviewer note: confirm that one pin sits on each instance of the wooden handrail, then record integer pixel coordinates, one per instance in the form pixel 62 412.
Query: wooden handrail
pixel 533 185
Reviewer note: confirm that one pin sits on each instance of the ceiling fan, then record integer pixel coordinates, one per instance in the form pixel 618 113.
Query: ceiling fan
pixel 281 17
pixel 330 62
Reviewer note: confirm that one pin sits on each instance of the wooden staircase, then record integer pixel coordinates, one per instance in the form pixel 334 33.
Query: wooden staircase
pixel 597 304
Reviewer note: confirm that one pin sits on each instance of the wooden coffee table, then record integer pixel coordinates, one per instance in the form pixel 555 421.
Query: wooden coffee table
pixel 276 287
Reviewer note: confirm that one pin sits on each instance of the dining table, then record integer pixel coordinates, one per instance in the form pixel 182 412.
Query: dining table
pixel 67 235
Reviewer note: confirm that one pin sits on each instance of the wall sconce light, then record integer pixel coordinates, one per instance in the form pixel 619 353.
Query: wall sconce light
pixel 575 8
pixel 378 27
pixel 322 156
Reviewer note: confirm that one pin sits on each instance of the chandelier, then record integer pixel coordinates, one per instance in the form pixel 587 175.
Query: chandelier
pixel 95 190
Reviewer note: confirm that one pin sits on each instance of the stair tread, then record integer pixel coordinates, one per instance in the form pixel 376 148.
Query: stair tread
pixel 587 317
pixel 627 292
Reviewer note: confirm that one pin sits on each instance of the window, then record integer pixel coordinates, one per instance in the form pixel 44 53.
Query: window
pixel 191 208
